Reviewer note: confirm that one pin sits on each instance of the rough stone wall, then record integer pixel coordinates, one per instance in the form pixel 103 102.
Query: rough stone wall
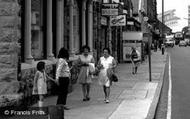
pixel 9 35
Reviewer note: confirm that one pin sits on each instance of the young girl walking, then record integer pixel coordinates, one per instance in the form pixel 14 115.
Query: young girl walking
pixel 40 82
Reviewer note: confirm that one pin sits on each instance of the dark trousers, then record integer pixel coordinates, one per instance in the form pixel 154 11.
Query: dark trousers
pixel 63 90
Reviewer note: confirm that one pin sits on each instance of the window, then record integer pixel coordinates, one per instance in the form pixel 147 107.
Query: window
pixel 37 33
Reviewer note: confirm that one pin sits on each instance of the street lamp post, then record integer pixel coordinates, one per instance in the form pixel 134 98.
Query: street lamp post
pixel 110 8
pixel 188 20
pixel 109 32
pixel 144 21
pixel 162 21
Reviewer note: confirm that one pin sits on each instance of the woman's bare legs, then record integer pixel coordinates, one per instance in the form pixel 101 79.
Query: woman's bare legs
pixel 87 91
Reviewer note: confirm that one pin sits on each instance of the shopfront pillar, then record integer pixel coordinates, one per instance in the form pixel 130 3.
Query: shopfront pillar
pixel 71 33
pixel 109 43
pixel 84 22
pixel 59 24
pixel 90 24
pixel 50 55
pixel 27 33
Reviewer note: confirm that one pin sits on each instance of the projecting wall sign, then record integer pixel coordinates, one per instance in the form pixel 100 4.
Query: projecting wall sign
pixel 118 20
pixel 110 9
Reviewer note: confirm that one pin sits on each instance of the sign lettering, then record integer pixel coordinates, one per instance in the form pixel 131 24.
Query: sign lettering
pixel 118 20
pixel 110 9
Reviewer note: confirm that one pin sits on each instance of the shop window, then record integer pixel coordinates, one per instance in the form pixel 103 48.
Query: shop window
pixel 37 33
pixel 37 29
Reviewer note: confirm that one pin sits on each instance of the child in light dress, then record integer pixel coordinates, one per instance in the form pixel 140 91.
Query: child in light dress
pixel 40 82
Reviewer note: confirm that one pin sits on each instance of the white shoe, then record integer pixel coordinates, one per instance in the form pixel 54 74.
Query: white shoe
pixel 107 101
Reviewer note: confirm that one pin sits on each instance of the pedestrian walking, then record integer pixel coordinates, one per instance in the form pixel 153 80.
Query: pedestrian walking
pixel 63 77
pixel 86 64
pixel 106 63
pixel 135 59
pixel 40 82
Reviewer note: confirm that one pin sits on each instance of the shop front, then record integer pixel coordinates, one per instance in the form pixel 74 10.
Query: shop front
pixel 131 39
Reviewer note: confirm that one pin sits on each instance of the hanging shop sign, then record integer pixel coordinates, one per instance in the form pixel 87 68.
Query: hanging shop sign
pixel 119 20
pixel 111 9
pixel 104 21
pixel 130 23
pixel 125 12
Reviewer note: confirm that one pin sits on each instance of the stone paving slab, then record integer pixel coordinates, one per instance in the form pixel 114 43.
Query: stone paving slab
pixel 132 109
pixel 144 85
pixel 99 111
pixel 133 94
pixel 138 107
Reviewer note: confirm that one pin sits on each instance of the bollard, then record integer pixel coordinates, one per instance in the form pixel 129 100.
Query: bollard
pixel 56 112
pixel 163 48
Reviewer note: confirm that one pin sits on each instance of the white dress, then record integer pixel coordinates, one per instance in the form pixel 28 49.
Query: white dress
pixel 41 83
pixel 107 63
pixel 84 76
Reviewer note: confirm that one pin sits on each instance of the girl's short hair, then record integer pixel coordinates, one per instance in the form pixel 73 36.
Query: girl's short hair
pixel 40 66
pixel 85 47
pixel 63 53
pixel 107 50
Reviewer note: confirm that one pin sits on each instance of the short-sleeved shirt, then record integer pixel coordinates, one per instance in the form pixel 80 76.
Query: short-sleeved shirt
pixel 103 77
pixel 63 69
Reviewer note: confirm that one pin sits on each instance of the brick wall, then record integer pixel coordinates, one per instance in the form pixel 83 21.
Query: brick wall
pixel 9 35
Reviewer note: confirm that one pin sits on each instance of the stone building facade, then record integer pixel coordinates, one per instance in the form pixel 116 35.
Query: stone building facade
pixel 170 20
pixel 48 25
pixel 188 15
pixel 40 28
pixel 9 36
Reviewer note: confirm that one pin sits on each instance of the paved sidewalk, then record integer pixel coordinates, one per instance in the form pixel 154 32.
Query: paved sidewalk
pixel 130 98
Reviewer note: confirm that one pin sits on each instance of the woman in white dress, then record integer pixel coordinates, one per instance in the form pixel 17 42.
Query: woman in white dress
pixel 85 77
pixel 106 62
